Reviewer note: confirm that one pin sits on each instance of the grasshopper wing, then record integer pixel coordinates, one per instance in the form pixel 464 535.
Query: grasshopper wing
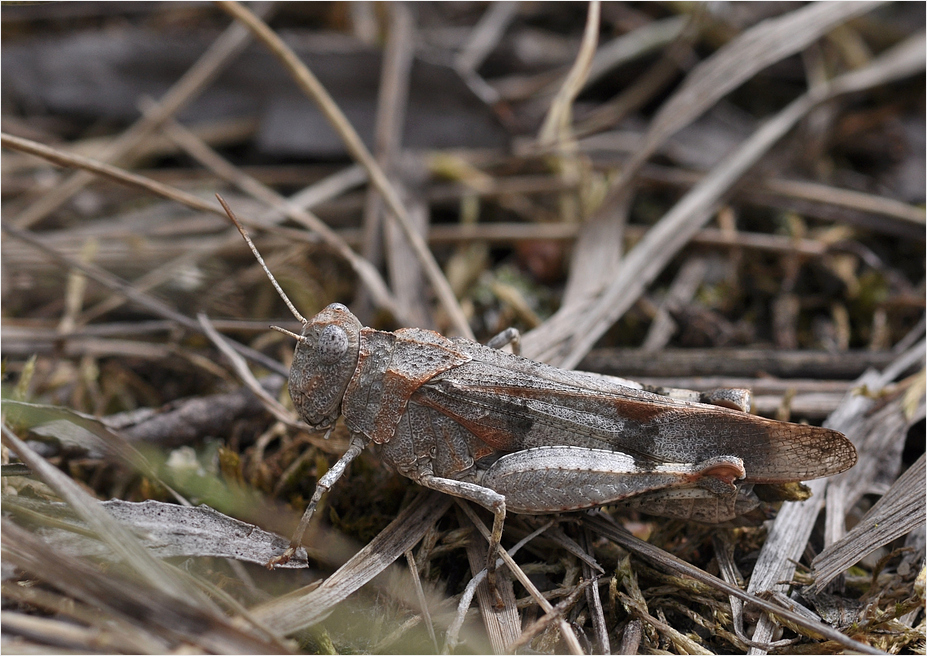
pixel 512 404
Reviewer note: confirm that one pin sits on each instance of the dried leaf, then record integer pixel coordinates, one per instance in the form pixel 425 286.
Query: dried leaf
pixel 900 510
pixel 167 530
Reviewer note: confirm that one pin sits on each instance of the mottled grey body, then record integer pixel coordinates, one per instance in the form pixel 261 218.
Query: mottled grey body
pixel 507 432
pixel 547 440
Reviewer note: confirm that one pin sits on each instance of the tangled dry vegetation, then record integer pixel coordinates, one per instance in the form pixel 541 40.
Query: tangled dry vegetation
pixel 711 195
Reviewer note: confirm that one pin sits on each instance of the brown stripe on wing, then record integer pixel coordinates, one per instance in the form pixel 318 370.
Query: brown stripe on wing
pixel 629 407
pixel 502 432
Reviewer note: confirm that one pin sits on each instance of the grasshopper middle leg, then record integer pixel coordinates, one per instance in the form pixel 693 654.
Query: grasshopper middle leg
pixel 507 336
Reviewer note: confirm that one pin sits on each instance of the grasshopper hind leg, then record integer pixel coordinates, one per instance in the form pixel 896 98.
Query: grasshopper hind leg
pixel 492 501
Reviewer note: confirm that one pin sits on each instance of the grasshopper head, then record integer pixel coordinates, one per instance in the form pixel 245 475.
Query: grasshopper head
pixel 326 351
pixel 324 361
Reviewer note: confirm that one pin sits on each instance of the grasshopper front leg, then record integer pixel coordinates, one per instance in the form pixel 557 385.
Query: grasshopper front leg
pixel 324 484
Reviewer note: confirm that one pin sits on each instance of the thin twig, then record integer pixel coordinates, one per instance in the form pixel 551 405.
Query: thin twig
pixel 314 90
pixel 115 173
pixel 244 373
pixel 420 593
pixel 223 50
pixel 145 300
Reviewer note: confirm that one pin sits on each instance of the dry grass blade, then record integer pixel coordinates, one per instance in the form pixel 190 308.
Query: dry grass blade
pixel 116 536
pixel 420 595
pixel 594 601
pixel 223 50
pixel 302 608
pixel 184 621
pixel 81 434
pixel 484 37
pixel 663 241
pixel 900 511
pixel 65 635
pixel 783 546
pixel 639 42
pixel 557 134
pixel 851 199
pixel 167 530
pixel 751 52
pixel 316 92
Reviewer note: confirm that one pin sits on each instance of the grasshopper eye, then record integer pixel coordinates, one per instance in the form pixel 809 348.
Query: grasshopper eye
pixel 333 343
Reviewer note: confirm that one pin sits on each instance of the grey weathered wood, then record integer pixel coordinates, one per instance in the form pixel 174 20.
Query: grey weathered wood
pixel 876 442
pixel 742 362
pixel 901 510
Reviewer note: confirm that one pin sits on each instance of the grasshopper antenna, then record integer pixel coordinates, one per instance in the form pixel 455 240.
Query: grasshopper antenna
pixel 244 233
pixel 298 338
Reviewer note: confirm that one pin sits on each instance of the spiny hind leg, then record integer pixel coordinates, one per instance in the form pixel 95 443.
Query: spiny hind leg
pixel 492 501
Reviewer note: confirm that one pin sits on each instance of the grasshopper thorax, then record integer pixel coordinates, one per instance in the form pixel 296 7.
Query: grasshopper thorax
pixel 324 361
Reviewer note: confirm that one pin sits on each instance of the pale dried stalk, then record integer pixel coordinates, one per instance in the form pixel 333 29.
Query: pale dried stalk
pixel 315 91
pixel 222 51
pixel 676 228
pixel 308 606
pixel 557 122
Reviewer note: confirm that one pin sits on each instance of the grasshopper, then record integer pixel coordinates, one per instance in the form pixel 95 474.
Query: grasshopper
pixel 512 434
